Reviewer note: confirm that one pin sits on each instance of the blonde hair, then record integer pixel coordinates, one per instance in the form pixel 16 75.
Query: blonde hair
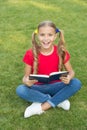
pixel 36 46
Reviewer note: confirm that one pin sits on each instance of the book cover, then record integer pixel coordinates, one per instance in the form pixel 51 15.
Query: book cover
pixel 48 78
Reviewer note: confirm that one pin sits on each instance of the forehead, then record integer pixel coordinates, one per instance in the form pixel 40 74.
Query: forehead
pixel 46 29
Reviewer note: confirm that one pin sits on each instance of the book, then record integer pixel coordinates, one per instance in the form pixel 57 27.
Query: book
pixel 48 78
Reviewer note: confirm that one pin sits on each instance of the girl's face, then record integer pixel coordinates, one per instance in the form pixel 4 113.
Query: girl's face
pixel 46 36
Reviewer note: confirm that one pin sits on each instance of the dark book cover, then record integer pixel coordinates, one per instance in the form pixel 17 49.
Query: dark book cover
pixel 48 78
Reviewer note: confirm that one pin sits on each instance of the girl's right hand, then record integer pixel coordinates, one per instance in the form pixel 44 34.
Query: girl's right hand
pixel 31 82
pixel 28 82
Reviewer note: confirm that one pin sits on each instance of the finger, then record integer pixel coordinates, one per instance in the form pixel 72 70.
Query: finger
pixel 35 80
pixel 65 80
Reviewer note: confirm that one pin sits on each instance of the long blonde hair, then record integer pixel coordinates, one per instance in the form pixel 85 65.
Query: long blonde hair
pixel 36 46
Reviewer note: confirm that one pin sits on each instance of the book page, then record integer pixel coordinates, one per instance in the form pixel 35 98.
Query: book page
pixel 60 72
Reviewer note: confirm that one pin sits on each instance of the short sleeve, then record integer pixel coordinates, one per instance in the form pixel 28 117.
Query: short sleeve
pixel 67 57
pixel 28 58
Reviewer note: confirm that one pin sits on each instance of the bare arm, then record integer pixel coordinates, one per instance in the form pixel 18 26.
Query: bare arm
pixel 71 74
pixel 25 79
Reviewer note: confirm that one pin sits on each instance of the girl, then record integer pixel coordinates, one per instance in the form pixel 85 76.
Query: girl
pixel 46 57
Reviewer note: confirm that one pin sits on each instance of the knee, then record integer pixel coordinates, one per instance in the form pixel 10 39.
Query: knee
pixel 76 83
pixel 20 90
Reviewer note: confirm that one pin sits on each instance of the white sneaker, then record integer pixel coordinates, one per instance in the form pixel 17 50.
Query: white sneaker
pixel 65 105
pixel 34 109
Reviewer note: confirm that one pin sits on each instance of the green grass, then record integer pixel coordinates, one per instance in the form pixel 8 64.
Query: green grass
pixel 18 19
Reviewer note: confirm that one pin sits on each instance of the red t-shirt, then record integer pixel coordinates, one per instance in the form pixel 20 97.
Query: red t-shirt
pixel 46 63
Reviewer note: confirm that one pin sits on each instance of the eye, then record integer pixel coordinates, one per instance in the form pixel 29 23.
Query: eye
pixel 50 34
pixel 42 34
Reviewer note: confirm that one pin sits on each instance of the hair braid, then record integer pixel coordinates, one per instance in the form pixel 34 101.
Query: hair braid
pixel 35 49
pixel 61 50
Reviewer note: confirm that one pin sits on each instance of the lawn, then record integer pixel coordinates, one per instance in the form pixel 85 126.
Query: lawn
pixel 18 19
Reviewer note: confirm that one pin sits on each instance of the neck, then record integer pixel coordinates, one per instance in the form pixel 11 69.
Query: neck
pixel 47 51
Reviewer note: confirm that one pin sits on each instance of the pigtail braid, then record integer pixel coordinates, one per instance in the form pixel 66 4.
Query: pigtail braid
pixel 61 50
pixel 35 48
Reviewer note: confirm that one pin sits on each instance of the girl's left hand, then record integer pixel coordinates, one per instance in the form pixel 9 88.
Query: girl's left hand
pixel 65 80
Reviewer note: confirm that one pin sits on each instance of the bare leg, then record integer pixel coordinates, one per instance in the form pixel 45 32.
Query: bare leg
pixel 45 106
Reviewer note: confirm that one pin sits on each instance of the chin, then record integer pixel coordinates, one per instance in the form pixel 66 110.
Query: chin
pixel 46 46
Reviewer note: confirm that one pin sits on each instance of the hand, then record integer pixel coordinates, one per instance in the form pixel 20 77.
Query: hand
pixel 31 82
pixel 66 79
pixel 28 82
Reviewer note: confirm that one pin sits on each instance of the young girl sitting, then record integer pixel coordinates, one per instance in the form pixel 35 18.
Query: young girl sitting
pixel 46 57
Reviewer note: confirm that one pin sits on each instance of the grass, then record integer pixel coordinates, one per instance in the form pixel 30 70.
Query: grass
pixel 18 19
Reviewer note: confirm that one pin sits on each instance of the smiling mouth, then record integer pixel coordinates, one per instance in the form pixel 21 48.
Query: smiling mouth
pixel 46 43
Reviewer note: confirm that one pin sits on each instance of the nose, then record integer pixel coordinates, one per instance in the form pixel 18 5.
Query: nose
pixel 46 38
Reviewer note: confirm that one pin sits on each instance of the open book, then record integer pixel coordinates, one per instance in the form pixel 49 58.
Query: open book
pixel 48 78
